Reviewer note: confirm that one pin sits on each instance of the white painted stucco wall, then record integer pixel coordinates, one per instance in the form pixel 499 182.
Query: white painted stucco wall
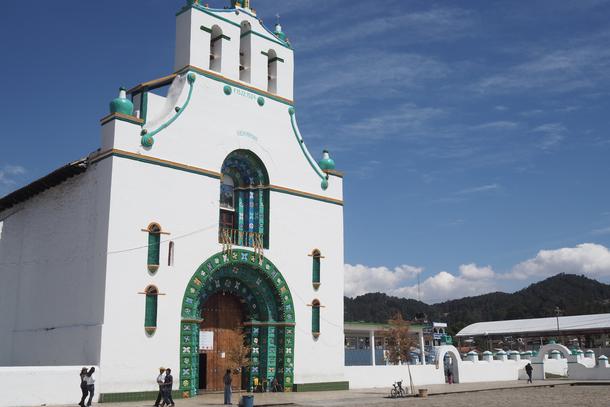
pixel 52 264
pixel 193 48
pixel 493 371
pixel 40 386
pixel 368 377
pixel 183 203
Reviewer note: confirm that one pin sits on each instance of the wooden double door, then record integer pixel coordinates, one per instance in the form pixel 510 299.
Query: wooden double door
pixel 223 315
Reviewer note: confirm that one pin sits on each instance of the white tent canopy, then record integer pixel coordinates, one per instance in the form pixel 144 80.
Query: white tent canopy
pixel 579 323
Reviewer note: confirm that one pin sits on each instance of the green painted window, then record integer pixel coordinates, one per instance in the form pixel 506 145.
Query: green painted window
pixel 315 318
pixel 244 201
pixel 150 313
pixel 154 246
pixel 316 255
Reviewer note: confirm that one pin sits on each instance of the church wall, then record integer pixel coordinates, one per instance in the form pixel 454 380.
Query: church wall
pixel 186 205
pixel 183 204
pixel 10 239
pixel 298 226
pixel 55 243
pixel 40 385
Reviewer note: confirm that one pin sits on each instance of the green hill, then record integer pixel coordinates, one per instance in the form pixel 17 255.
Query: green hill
pixel 574 295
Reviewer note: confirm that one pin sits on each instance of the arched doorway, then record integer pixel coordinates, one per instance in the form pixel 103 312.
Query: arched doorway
pixel 448 359
pixel 552 360
pixel 257 294
pixel 223 317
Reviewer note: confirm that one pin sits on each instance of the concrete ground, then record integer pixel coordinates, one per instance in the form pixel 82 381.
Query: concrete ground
pixel 544 393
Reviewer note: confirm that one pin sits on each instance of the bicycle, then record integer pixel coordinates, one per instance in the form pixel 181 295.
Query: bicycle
pixel 397 391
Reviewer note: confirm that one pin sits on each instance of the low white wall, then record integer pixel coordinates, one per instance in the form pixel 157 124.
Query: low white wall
pixel 557 367
pixel 36 386
pixel 367 377
pixel 579 372
pixel 493 371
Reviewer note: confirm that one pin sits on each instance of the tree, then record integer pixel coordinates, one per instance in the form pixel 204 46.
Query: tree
pixel 238 353
pixel 400 344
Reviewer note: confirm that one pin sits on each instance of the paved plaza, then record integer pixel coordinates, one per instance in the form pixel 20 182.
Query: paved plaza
pixel 547 393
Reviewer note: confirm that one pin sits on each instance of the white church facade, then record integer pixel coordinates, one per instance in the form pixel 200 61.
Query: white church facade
pixel 202 211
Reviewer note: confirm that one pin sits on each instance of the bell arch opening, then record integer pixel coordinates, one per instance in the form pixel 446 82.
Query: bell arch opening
pixel 265 319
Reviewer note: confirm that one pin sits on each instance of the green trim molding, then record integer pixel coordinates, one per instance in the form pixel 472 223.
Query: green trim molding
pixel 328 386
pixel 134 396
pixel 156 161
pixel 222 79
pixel 121 117
pixel 267 38
pixel 206 173
pixel 157 83
pixel 312 163
pixel 148 138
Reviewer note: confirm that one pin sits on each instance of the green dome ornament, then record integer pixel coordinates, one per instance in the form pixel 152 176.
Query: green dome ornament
pixel 122 105
pixel 241 3
pixel 279 33
pixel 326 163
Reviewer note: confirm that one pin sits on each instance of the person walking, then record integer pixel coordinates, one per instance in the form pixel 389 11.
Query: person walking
pixel 83 386
pixel 449 375
pixel 228 381
pixel 168 383
pixel 90 379
pixel 160 383
pixel 528 370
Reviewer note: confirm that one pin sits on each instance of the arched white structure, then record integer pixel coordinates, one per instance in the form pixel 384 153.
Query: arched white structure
pixel 454 354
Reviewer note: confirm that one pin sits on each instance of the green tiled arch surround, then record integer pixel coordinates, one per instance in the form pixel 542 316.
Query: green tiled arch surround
pixel 272 339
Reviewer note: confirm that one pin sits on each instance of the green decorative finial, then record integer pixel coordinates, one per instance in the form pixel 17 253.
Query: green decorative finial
pixel 326 163
pixel 121 104
pixel 241 3
pixel 279 33
pixel 324 184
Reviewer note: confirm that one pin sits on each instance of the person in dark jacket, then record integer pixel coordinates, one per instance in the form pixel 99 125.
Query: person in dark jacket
pixel 528 370
pixel 167 389
pixel 83 386
pixel 228 381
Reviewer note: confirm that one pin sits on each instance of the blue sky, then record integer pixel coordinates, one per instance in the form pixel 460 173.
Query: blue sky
pixel 474 135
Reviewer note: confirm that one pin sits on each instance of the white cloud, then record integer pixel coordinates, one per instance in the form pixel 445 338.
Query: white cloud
pixel 360 279
pixel 602 231
pixel 433 25
pixel 590 259
pixel 476 190
pixel 580 66
pixel 497 125
pixel 552 134
pixel 401 282
pixel 341 77
pixel 474 272
pixel 8 174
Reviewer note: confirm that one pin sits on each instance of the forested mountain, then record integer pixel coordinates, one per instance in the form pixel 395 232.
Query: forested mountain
pixel 574 295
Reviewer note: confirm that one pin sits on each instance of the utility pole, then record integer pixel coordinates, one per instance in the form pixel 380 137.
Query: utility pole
pixel 557 313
